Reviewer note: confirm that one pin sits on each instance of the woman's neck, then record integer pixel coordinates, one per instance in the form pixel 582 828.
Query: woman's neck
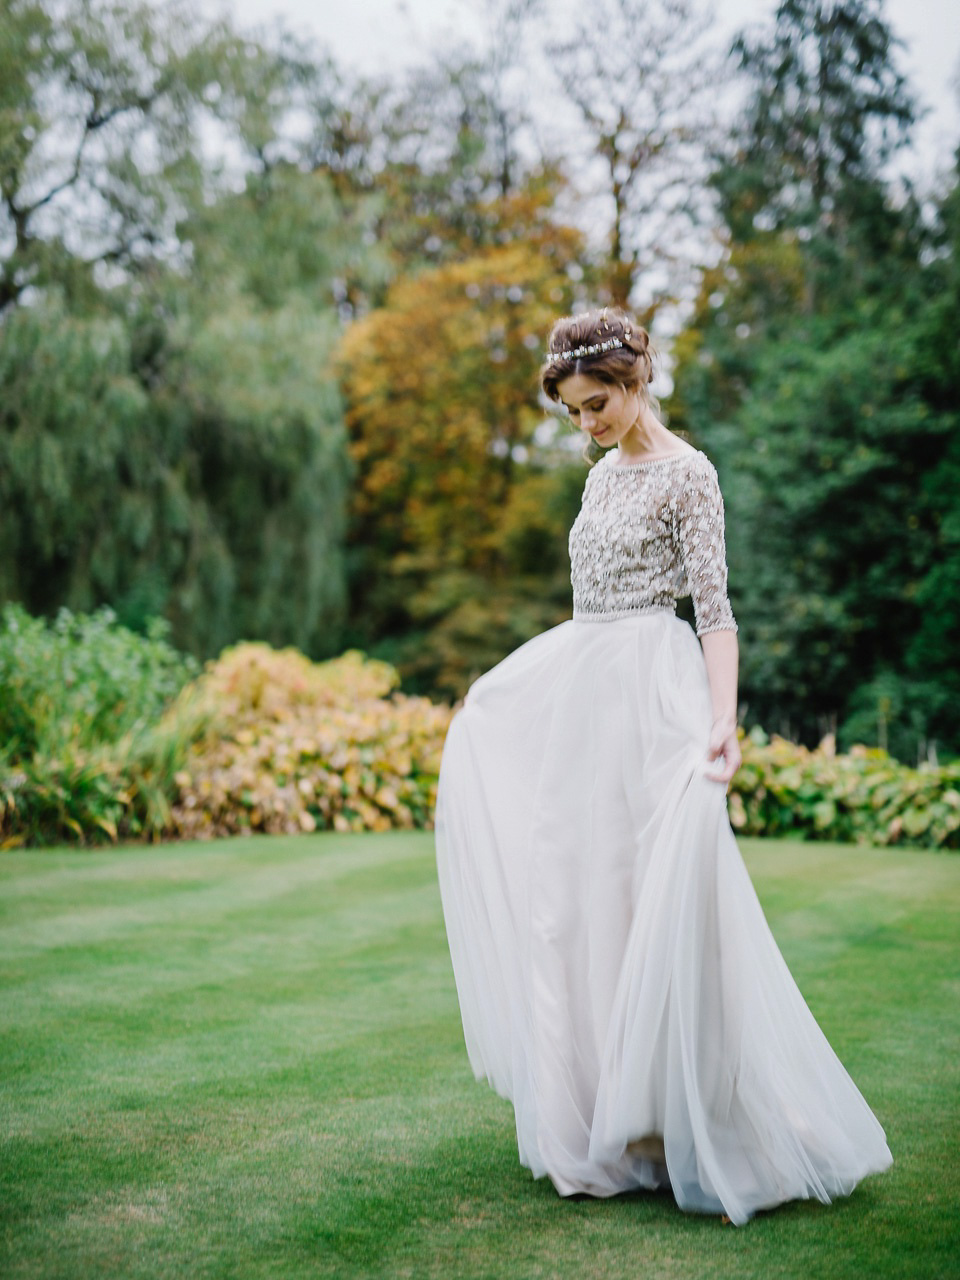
pixel 646 438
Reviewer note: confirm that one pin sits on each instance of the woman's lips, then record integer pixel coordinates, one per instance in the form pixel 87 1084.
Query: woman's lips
pixel 600 432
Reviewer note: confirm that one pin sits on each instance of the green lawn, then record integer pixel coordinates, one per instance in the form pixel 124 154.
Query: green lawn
pixel 244 1059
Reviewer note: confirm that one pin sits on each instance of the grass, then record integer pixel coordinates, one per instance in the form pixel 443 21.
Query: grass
pixel 244 1059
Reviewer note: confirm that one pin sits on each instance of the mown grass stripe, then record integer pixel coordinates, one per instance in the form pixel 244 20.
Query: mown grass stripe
pixel 245 1060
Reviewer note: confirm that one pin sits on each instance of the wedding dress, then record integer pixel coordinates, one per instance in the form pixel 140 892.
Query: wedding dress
pixel 617 978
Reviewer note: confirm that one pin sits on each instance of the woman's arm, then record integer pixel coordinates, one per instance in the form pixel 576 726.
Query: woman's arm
pixel 701 536
pixel 721 653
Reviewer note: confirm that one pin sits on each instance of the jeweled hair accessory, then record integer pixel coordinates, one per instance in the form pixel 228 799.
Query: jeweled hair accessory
pixel 576 352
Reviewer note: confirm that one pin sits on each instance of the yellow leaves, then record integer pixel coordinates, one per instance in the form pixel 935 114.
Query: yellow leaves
pixel 444 369
pixel 253 677
pixel 386 798
pixel 737 813
pixel 352 778
pixel 308 746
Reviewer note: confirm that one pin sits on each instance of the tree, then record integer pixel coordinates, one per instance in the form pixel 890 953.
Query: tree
pixel 171 440
pixel 826 111
pixel 99 113
pixel 815 369
pixel 214 497
pixel 441 393
pixel 437 155
pixel 642 84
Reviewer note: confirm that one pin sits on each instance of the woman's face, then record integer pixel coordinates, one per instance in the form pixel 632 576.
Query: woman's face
pixel 606 412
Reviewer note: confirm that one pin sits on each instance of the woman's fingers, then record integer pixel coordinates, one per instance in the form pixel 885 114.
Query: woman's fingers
pixel 729 753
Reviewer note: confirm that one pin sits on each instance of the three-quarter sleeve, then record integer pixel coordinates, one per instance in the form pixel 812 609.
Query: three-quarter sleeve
pixel 700 533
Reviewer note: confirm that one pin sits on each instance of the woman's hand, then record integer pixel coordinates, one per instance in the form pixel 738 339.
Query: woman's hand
pixel 721 654
pixel 723 743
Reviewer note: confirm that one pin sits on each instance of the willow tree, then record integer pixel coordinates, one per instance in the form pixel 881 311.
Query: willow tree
pixel 102 103
pixel 170 435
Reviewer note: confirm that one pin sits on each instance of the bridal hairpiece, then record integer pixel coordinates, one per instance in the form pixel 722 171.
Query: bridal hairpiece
pixel 576 352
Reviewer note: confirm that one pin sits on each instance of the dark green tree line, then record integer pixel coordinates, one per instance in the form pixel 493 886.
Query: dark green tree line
pixel 815 370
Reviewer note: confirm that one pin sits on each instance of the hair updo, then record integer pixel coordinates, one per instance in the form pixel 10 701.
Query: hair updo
pixel 629 366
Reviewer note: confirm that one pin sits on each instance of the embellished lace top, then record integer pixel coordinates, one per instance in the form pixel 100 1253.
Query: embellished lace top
pixel 647 534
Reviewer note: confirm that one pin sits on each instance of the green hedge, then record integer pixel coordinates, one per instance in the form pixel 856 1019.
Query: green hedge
pixel 92 729
pixel 864 796
pixel 82 680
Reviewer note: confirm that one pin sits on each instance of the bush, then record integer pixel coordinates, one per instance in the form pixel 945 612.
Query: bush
pixel 81 680
pixel 266 740
pixel 301 746
pixel 865 796
pixel 92 728
pixel 261 740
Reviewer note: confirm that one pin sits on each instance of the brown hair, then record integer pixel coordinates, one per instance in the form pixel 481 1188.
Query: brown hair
pixel 629 366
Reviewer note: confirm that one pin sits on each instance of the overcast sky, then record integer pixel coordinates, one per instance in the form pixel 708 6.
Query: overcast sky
pixel 385 35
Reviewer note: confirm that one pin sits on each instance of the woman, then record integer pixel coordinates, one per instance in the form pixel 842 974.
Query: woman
pixel 617 978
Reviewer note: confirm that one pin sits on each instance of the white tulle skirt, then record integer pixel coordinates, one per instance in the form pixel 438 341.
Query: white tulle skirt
pixel 617 977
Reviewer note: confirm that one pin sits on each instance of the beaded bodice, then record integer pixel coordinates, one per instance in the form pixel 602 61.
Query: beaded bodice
pixel 647 534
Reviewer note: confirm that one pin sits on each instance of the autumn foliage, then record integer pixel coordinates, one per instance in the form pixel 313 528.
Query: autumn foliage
pixel 441 397
pixel 299 746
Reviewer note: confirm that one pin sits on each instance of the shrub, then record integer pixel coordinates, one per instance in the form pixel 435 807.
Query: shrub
pixel 299 746
pixel 81 680
pixel 91 726
pixel 865 796
pixel 266 740
pixel 261 740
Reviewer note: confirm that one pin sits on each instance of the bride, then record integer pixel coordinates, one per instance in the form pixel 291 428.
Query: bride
pixel 617 978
